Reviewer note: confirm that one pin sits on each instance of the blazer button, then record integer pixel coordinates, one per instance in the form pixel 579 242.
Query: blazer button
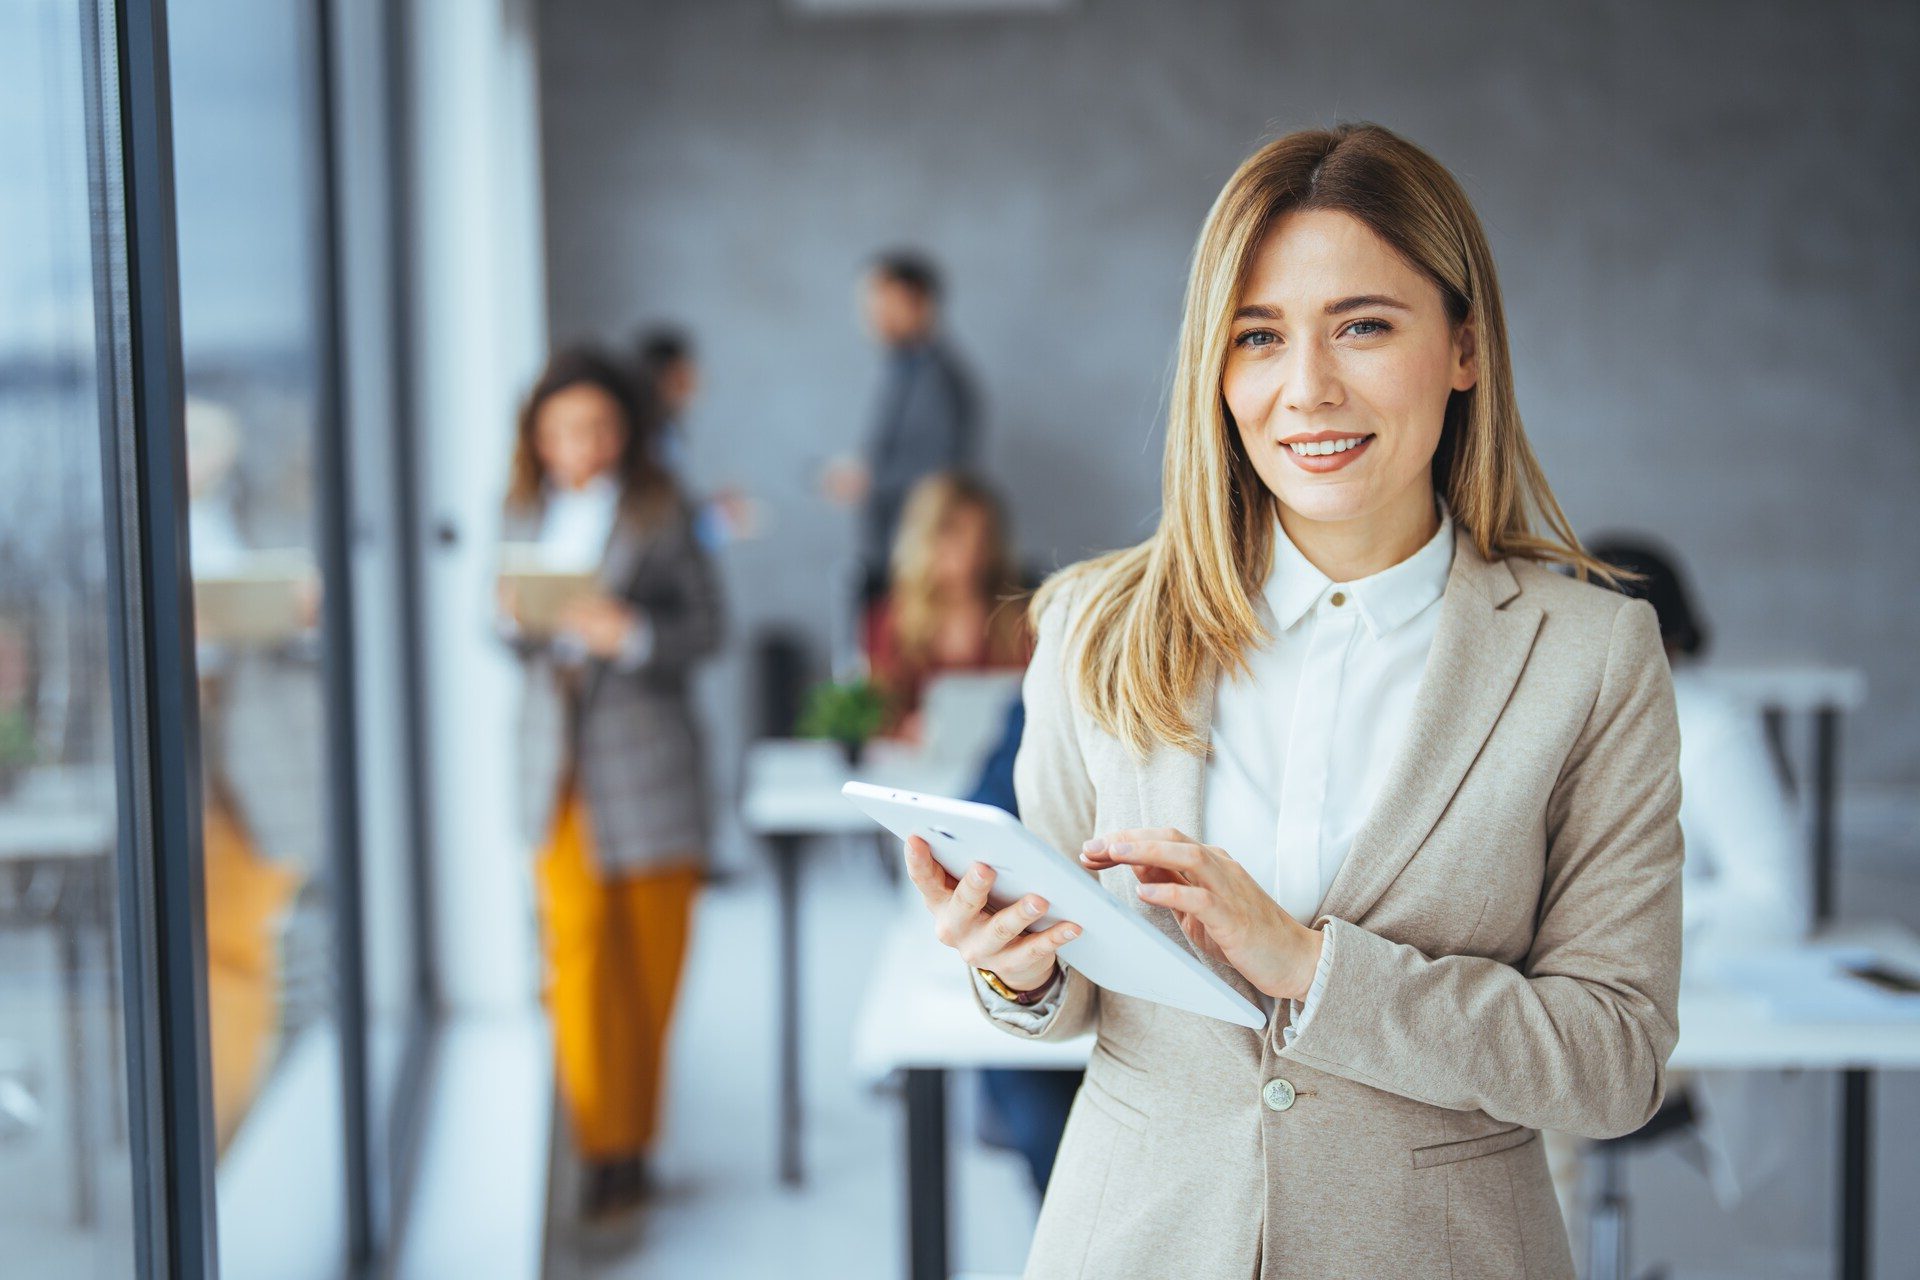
pixel 1278 1095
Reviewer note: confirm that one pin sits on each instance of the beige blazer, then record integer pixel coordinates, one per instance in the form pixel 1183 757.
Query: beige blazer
pixel 1506 958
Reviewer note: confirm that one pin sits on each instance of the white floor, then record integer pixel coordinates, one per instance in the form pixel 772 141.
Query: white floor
pixel 723 1212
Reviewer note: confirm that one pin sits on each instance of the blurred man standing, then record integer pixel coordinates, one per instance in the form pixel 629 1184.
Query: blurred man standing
pixel 927 418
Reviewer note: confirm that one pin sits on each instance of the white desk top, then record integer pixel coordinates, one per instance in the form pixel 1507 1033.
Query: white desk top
pixel 59 813
pixel 1729 1029
pixel 918 1012
pixel 792 785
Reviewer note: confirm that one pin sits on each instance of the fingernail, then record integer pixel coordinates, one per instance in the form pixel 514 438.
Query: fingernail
pixel 979 876
pixel 1122 847
pixel 1032 908
pixel 1149 890
pixel 1095 845
pixel 1071 934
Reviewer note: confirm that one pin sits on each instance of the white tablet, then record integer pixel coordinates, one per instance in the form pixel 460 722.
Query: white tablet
pixel 1116 948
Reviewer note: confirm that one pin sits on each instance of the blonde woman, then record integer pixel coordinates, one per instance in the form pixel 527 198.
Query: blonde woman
pixel 1340 727
pixel 951 602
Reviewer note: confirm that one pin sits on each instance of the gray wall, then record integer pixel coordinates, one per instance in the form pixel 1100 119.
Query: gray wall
pixel 1704 215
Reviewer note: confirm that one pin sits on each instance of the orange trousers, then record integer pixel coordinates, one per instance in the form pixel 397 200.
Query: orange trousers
pixel 247 899
pixel 615 947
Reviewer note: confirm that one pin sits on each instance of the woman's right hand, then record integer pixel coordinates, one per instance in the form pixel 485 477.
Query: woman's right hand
pixel 996 941
pixel 507 600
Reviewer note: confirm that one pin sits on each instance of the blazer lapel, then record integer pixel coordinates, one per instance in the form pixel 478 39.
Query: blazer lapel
pixel 1172 786
pixel 619 562
pixel 1478 652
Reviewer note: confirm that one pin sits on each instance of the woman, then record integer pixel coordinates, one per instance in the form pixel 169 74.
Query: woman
pixel 613 763
pixel 1747 880
pixel 1747 885
pixel 951 603
pixel 1339 726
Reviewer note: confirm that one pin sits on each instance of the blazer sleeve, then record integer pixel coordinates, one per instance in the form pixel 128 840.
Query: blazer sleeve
pixel 1576 1039
pixel 679 596
pixel 1055 795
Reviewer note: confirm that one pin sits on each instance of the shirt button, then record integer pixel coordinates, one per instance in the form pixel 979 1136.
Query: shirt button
pixel 1339 598
pixel 1278 1095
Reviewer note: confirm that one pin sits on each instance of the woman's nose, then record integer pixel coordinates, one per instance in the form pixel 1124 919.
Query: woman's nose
pixel 1311 381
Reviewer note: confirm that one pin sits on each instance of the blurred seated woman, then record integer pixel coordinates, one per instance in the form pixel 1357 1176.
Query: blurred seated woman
pixel 611 771
pixel 952 601
pixel 1745 883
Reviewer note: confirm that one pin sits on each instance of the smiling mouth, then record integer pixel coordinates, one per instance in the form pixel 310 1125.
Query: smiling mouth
pixel 1321 448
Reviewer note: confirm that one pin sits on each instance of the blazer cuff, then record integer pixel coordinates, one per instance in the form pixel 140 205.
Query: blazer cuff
pixel 1028 1017
pixel 637 647
pixel 567 649
pixel 1302 1010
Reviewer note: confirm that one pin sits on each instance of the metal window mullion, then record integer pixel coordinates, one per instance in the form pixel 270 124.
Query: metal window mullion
pixel 155 681
pixel 333 493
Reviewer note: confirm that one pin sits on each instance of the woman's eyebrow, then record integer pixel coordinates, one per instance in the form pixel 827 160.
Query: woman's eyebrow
pixel 1359 300
pixel 1339 306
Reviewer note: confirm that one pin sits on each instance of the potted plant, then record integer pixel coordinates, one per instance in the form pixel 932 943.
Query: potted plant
pixel 17 747
pixel 849 712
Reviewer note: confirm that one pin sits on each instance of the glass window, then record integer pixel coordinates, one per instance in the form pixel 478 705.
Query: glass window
pixel 246 170
pixel 65 1188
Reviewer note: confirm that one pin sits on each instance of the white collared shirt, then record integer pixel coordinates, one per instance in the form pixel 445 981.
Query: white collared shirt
pixel 1303 739
pixel 575 527
pixel 576 523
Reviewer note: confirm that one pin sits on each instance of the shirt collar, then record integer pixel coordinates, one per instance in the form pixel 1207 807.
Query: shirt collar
pixel 1387 599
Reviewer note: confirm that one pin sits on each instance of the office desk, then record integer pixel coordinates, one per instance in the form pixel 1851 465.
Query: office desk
pixel 790 797
pixel 918 1018
pixel 56 870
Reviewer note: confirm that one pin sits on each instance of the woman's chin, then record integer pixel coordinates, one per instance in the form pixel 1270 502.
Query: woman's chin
pixel 1326 502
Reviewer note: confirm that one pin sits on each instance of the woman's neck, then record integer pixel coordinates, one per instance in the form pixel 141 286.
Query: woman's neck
pixel 598 480
pixel 1349 550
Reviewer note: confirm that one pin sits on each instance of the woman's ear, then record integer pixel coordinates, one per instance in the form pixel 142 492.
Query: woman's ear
pixel 1466 356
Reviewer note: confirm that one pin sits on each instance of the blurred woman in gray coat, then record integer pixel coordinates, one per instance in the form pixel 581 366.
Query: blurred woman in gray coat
pixel 612 780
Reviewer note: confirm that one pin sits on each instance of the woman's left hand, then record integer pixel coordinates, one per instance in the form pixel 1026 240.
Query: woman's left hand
pixel 1222 910
pixel 602 623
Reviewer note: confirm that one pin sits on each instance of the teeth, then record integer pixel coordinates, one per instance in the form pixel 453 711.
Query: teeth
pixel 1315 448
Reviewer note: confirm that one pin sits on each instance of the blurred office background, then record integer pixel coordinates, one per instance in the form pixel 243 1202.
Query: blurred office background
pixel 274 278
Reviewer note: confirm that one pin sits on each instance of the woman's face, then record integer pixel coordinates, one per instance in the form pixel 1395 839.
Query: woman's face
pixel 1339 367
pixel 578 433
pixel 960 549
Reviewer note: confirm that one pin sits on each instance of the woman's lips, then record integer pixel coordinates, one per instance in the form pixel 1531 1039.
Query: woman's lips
pixel 1323 462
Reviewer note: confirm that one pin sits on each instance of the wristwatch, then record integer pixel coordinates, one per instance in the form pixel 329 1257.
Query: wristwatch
pixel 1006 992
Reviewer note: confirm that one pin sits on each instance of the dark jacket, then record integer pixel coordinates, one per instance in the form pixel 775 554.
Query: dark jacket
pixel 928 422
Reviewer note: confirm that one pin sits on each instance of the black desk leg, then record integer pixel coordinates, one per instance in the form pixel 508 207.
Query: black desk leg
pixel 1856 1173
pixel 79 1079
pixel 926 1173
pixel 786 866
pixel 1826 780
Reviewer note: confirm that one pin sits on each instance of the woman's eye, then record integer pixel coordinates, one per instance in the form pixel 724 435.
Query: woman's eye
pixel 1368 328
pixel 1257 338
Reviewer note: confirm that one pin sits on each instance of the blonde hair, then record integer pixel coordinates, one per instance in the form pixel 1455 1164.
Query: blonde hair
pixel 913 592
pixel 1156 617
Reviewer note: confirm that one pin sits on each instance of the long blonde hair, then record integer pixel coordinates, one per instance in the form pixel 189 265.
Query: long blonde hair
pixel 913 591
pixel 1156 617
